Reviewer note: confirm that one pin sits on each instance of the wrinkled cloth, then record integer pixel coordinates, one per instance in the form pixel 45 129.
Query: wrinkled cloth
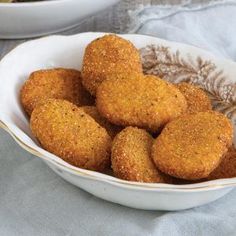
pixel 35 201
pixel 210 26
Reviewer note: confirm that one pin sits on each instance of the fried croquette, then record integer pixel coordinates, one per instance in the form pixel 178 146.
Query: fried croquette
pixel 111 129
pixel 191 146
pixel 108 55
pixel 138 100
pixel 67 131
pixel 131 156
pixel 196 98
pixel 54 83
pixel 227 167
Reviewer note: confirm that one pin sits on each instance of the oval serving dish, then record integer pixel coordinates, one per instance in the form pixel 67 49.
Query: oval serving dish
pixel 173 61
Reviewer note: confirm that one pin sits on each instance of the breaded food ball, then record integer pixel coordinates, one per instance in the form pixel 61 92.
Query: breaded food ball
pixel 138 100
pixel 227 167
pixel 67 131
pixel 131 156
pixel 191 146
pixel 108 55
pixel 111 129
pixel 54 83
pixel 196 98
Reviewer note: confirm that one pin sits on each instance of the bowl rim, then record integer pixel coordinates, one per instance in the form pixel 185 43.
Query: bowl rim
pixel 57 161
pixel 30 4
pixel 160 187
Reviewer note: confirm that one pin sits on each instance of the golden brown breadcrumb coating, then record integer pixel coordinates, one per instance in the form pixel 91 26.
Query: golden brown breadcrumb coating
pixel 67 131
pixel 57 83
pixel 111 129
pixel 131 156
pixel 137 100
pixel 227 167
pixel 108 55
pixel 191 146
pixel 196 98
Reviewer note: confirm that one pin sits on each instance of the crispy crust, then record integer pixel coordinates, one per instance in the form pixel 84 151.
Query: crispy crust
pixel 192 146
pixel 67 131
pixel 137 100
pixel 196 98
pixel 131 156
pixel 107 55
pixel 111 129
pixel 227 167
pixel 54 83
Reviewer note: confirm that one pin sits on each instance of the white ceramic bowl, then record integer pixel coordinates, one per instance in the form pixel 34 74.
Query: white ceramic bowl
pixel 174 61
pixel 31 19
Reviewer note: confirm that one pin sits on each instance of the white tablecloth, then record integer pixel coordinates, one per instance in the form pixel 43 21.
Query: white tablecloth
pixel 35 201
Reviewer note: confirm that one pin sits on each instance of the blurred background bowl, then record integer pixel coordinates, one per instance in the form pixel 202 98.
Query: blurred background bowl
pixel 32 19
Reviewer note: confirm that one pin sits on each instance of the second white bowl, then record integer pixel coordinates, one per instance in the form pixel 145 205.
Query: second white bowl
pixel 31 19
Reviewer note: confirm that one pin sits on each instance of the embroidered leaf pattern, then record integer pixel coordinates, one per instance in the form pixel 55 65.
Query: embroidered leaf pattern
pixel 159 60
